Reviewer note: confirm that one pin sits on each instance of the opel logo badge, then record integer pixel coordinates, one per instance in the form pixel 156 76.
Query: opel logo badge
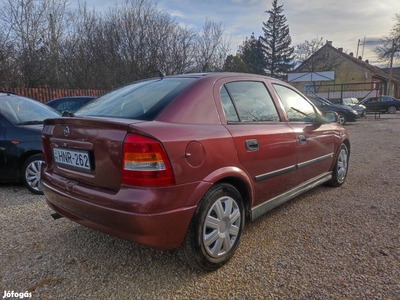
pixel 66 131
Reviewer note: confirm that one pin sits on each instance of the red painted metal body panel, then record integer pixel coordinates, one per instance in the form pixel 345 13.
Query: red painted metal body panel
pixel 277 151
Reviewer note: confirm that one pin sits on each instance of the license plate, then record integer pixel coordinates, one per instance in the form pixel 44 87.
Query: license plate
pixel 78 159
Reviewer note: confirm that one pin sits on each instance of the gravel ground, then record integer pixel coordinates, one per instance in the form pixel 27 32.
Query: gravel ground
pixel 341 243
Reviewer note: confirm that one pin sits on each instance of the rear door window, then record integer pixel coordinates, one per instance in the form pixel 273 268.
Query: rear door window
pixel 248 101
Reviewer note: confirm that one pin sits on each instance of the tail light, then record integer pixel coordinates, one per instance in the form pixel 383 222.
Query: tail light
pixel 144 163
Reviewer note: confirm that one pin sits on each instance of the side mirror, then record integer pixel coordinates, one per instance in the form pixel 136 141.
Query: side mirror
pixel 327 117
pixel 331 117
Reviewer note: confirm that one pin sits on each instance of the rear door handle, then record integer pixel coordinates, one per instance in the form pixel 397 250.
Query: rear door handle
pixel 251 145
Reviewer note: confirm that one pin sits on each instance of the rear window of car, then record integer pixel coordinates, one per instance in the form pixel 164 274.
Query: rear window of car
pixel 142 100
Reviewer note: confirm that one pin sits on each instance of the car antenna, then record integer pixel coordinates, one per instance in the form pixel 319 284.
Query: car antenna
pixel 160 73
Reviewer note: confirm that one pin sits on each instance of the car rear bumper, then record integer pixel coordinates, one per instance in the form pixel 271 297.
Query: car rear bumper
pixel 155 218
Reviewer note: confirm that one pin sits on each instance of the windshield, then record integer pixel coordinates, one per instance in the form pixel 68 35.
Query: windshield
pixel 142 100
pixel 24 111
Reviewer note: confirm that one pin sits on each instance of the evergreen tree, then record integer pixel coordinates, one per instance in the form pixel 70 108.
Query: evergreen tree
pixel 252 55
pixel 234 64
pixel 276 42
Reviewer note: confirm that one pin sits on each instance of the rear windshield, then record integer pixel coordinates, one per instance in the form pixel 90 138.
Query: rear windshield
pixel 142 100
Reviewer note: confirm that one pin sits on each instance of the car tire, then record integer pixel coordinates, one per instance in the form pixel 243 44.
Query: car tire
pixel 215 229
pixel 342 119
pixel 363 114
pixel 340 169
pixel 30 173
pixel 391 109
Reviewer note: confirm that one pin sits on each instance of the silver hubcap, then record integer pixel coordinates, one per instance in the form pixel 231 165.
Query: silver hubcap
pixel 32 174
pixel 342 165
pixel 341 119
pixel 392 109
pixel 221 227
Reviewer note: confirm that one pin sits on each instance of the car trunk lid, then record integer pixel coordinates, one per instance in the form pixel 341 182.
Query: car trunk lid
pixel 87 150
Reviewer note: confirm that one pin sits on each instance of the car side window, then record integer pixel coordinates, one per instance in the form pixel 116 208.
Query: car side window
pixel 297 108
pixel 252 101
pixel 227 104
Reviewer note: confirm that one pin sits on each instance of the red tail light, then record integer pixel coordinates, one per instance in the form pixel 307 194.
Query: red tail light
pixel 144 163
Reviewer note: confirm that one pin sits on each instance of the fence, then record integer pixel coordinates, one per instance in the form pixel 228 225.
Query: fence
pixel 340 91
pixel 46 94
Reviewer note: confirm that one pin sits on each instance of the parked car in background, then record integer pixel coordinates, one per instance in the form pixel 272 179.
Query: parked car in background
pixel 382 104
pixel 346 113
pixel 21 120
pixel 183 161
pixel 69 103
pixel 353 103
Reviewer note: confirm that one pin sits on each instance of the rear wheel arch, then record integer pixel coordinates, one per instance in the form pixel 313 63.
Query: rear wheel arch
pixel 237 178
pixel 243 189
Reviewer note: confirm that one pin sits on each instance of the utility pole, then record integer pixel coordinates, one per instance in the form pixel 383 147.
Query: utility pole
pixel 391 69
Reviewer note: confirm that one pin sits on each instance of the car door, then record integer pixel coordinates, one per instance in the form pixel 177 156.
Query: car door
pixel 266 147
pixel 315 141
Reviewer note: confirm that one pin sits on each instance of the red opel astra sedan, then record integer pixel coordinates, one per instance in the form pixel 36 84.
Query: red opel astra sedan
pixel 184 161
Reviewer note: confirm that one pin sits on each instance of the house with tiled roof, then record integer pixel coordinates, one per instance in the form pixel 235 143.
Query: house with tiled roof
pixel 352 75
pixel 395 72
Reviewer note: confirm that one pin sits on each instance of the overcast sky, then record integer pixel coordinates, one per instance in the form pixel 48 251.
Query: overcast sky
pixel 344 22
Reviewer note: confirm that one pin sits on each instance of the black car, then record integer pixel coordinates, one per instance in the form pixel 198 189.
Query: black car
pixel 21 121
pixel 69 103
pixel 346 113
pixel 382 104
pixel 353 103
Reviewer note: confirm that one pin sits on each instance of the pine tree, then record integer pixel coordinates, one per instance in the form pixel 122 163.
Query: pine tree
pixel 252 55
pixel 276 42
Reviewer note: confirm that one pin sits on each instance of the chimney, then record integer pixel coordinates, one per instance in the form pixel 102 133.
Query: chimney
pixel 367 61
pixel 359 58
pixel 351 54
pixel 340 49
pixel 329 42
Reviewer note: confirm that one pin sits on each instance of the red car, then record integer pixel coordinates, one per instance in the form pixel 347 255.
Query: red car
pixel 183 161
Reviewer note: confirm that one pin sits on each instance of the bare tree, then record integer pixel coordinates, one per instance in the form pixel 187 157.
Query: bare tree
pixel 42 43
pixel 211 48
pixel 307 49
pixel 126 43
pixel 7 61
pixel 390 51
pixel 33 27
pixel 313 57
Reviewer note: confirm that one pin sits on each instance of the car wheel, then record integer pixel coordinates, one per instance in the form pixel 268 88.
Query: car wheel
pixel 342 119
pixel 391 110
pixel 363 114
pixel 215 230
pixel 339 172
pixel 30 173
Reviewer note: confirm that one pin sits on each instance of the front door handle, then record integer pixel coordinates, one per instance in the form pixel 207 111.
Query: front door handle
pixel 251 145
pixel 302 139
